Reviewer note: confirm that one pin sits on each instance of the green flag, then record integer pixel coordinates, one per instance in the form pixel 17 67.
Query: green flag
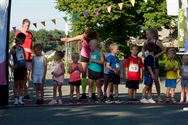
pixel 65 19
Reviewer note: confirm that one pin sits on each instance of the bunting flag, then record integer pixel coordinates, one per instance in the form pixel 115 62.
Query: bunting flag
pixel 86 14
pixel 65 19
pixel 43 23
pixel 35 25
pixel 120 5
pixel 97 11
pixel 54 21
pixel 109 8
pixel 75 16
pixel 146 1
pixel 132 2
pixel 181 28
pixel 14 29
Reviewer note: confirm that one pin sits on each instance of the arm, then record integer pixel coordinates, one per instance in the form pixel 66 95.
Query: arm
pixel 101 61
pixel 45 68
pixel 152 73
pixel 143 49
pixel 70 69
pixel 163 49
pixel 141 73
pixel 10 54
pixel 126 72
pixel 79 37
pixel 32 67
pixel 80 68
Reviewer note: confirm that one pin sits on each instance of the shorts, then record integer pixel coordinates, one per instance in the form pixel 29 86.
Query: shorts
pixel 75 83
pixel 84 59
pixel 114 78
pixel 94 75
pixel 148 81
pixel 184 83
pixel 58 83
pixel 20 73
pixel 38 79
pixel 132 84
pixel 170 83
pixel 106 78
pixel 29 66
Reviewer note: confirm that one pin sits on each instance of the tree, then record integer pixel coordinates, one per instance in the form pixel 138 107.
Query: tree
pixel 118 25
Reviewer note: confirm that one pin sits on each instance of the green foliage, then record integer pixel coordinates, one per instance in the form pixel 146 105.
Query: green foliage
pixel 42 36
pixel 118 25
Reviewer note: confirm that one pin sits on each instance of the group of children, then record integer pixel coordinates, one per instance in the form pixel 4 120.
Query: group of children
pixel 101 65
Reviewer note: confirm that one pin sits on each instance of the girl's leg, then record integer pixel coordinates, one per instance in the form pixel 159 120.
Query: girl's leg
pixel 130 93
pixel 157 83
pixel 60 91
pixel 116 90
pixel 77 92
pixel 149 93
pixel 134 93
pixel 99 91
pixel 144 91
pixel 84 81
pixel 37 90
pixel 186 90
pixel 105 84
pixel 20 87
pixel 71 91
pixel 172 92
pixel 55 92
pixel 16 89
pixel 90 88
pixel 167 92
pixel 182 94
pixel 42 91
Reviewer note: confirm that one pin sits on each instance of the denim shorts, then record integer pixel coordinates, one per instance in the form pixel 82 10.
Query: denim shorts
pixel 148 81
pixel 170 83
pixel 184 83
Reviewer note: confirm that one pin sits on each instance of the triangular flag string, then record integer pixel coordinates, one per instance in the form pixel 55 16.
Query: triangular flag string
pixel 43 23
pixel 109 8
pixel 146 1
pixel 35 25
pixel 75 17
pixel 97 11
pixel 86 14
pixel 54 21
pixel 132 2
pixel 14 29
pixel 120 5
pixel 65 19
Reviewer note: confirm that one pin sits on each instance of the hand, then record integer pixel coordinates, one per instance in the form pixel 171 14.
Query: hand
pixel 153 77
pixel 54 39
pixel 156 56
pixel 64 39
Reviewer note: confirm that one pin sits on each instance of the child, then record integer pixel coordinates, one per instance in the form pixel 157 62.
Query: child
pixel 75 70
pixel 133 67
pixel 58 77
pixel 184 79
pixel 95 68
pixel 171 68
pixel 19 68
pixel 149 74
pixel 39 69
pixel 114 73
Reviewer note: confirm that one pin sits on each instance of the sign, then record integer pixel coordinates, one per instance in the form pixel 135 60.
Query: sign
pixel 172 7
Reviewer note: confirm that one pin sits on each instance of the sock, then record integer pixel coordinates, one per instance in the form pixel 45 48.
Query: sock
pixel 94 87
pixel 84 84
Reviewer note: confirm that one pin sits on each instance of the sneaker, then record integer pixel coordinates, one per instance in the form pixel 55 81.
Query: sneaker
pixel 108 101
pixel 60 101
pixel 144 100
pixel 83 96
pixel 90 100
pixel 104 98
pixel 53 102
pixel 38 101
pixel 159 99
pixel 130 100
pixel 94 97
pixel 117 100
pixel 112 97
pixel 167 100
pixel 16 101
pixel 173 100
pixel 41 101
pixel 135 100
pixel 151 100
pixel 78 101
pixel 20 101
pixel 26 97
pixel 181 101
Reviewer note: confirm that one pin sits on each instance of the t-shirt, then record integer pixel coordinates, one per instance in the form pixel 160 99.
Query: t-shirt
pixel 184 70
pixel 27 45
pixel 18 56
pixel 114 62
pixel 149 61
pixel 134 65
pixel 75 76
pixel 95 66
pixel 171 64
pixel 106 70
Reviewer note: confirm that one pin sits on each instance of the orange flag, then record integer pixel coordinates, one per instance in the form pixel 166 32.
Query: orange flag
pixel 120 5
pixel 132 2
pixel 109 8
pixel 43 23
pixel 54 21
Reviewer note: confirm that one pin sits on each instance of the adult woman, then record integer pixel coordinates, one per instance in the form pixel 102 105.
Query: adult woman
pixel 152 36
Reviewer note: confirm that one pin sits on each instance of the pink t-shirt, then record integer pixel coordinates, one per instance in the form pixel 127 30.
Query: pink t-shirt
pixel 85 49
pixel 58 70
pixel 75 76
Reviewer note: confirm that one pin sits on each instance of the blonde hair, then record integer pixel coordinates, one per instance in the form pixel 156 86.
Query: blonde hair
pixel 113 45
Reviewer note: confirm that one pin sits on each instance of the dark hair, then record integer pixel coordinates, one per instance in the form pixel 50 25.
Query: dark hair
pixel 26 20
pixel 133 45
pixel 151 47
pixel 90 34
pixel 60 54
pixel 172 50
pixel 20 37
pixel 154 32
pixel 38 46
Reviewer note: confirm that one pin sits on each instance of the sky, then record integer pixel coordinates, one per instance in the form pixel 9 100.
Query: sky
pixel 36 11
